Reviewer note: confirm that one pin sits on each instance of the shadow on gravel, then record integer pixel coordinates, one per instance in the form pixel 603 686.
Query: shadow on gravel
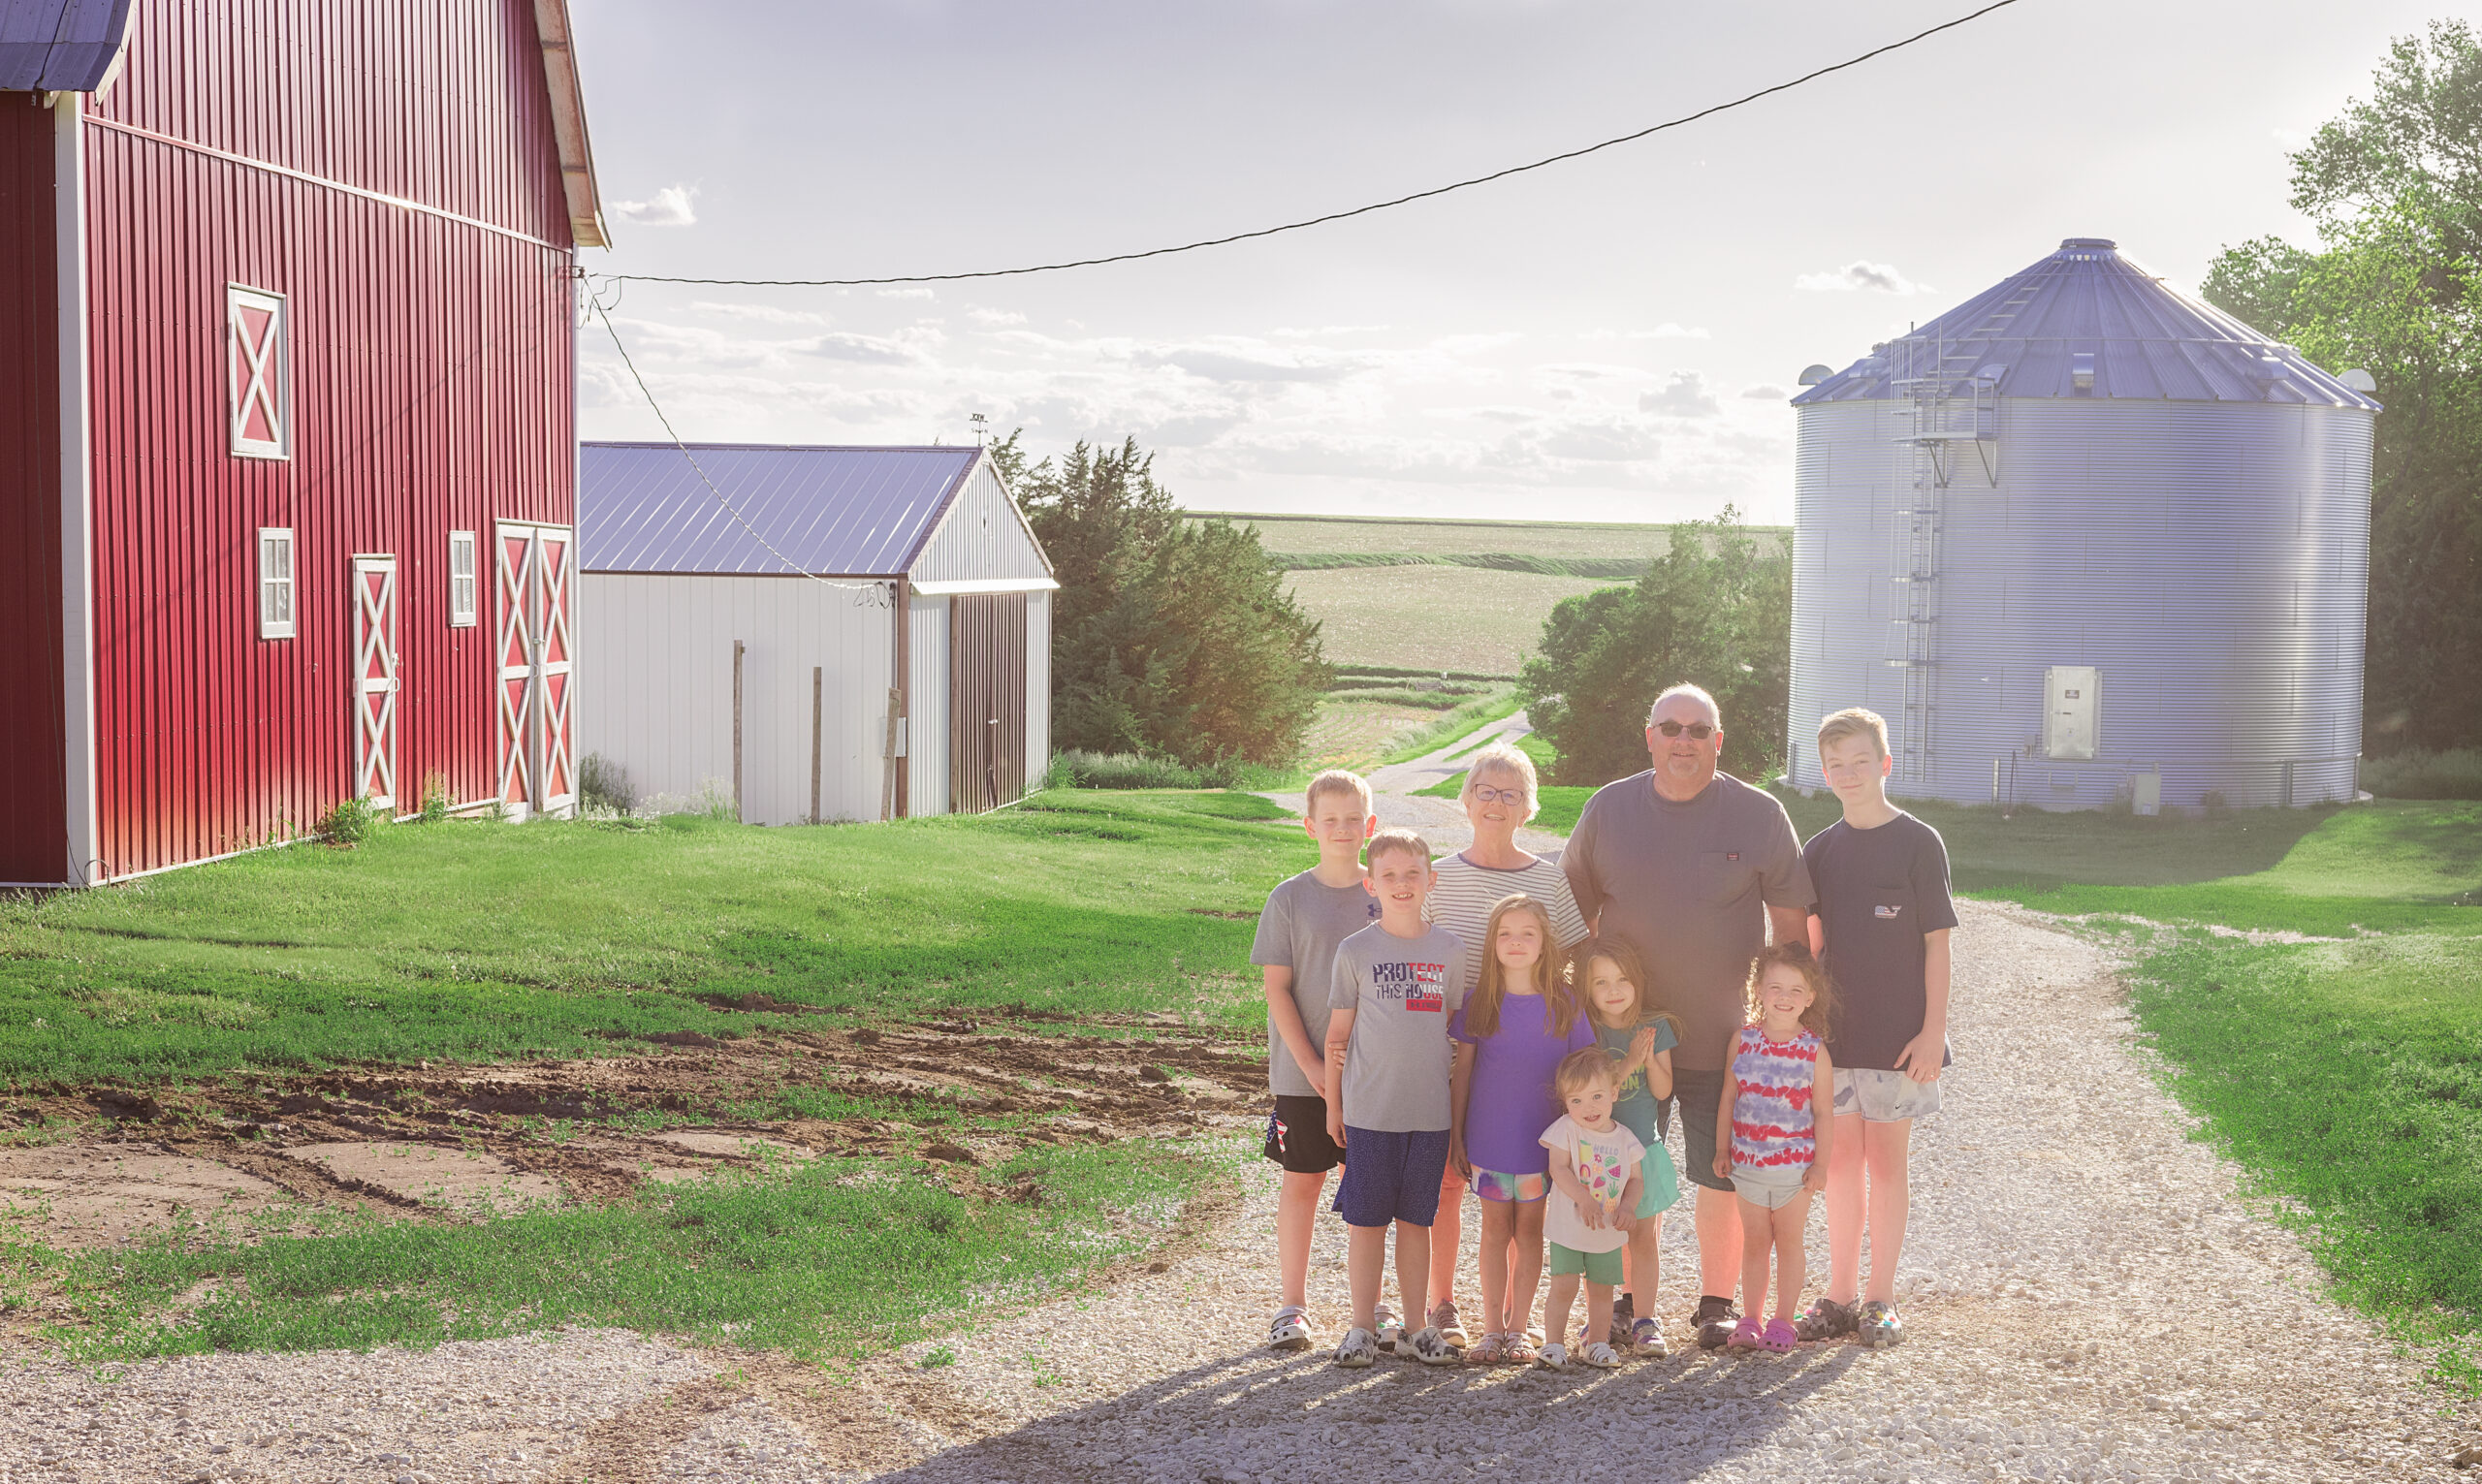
pixel 1241 1417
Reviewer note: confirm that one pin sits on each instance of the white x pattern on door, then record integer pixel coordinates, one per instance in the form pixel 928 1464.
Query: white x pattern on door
pixel 375 683
pixel 537 763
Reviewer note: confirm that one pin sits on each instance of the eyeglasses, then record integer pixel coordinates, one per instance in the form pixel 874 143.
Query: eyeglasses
pixel 1483 793
pixel 1698 730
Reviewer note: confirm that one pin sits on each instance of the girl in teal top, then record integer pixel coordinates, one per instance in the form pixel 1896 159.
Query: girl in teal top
pixel 1610 976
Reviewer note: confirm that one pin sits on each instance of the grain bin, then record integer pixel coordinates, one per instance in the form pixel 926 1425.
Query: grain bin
pixel 2084 539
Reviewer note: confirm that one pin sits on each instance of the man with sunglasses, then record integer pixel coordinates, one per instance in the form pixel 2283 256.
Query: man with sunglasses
pixel 1695 868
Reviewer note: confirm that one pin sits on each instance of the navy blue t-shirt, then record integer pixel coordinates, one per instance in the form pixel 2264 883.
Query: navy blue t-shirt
pixel 1878 893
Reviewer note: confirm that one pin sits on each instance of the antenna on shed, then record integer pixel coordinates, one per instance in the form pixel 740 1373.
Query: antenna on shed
pixel 981 428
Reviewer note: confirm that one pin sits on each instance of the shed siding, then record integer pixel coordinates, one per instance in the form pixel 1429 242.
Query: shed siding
pixel 33 762
pixel 656 689
pixel 431 374
pixel 983 536
pixel 1037 688
pixel 927 706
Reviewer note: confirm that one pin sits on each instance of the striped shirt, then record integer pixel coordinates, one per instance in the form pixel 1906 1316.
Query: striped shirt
pixel 1466 894
pixel 1773 1125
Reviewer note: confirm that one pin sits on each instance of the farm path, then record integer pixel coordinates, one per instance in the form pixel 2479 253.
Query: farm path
pixel 1442 821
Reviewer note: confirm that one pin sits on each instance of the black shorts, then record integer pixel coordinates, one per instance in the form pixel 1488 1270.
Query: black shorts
pixel 1699 1092
pixel 1297 1136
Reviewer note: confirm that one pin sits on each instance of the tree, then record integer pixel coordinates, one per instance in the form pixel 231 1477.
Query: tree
pixel 1169 637
pixel 2395 185
pixel 1714 611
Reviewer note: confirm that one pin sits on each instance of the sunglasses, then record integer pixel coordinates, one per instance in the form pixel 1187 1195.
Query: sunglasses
pixel 1483 793
pixel 1698 730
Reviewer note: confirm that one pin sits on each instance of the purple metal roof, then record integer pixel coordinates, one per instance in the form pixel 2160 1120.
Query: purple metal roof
pixel 59 46
pixel 2138 338
pixel 851 511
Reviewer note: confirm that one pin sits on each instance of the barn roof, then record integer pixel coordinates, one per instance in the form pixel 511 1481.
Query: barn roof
pixel 2088 320
pixel 60 45
pixel 830 510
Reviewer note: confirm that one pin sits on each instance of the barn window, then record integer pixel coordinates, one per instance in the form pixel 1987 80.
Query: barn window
pixel 258 372
pixel 461 580
pixel 275 582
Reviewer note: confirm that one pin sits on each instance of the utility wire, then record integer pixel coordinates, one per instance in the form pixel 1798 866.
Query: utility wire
pixel 1334 216
pixel 730 509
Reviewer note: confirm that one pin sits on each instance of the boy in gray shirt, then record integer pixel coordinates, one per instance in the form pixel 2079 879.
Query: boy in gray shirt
pixel 1386 1058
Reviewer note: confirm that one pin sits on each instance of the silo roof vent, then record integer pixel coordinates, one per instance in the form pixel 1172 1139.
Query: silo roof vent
pixel 2087 244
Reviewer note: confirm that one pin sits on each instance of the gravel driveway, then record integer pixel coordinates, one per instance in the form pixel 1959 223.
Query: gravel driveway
pixel 2087 1296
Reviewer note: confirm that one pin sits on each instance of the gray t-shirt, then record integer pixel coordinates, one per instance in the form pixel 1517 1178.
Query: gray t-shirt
pixel 1399 991
pixel 1688 885
pixel 1304 921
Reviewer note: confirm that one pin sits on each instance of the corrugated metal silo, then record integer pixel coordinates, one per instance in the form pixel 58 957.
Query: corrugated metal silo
pixel 2085 535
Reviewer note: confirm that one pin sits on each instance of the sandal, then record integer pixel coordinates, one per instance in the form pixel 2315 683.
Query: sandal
pixel 1489 1350
pixel 1878 1325
pixel 1290 1329
pixel 1712 1325
pixel 1600 1355
pixel 1428 1346
pixel 1824 1319
pixel 1780 1337
pixel 1357 1350
pixel 1519 1349
pixel 1746 1336
pixel 1552 1357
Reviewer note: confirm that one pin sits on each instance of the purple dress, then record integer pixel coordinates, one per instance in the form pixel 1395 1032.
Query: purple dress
pixel 1510 1101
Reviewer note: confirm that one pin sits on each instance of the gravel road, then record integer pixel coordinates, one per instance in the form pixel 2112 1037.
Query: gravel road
pixel 2088 1298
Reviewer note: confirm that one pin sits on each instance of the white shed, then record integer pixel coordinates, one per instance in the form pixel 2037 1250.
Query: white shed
pixel 736 628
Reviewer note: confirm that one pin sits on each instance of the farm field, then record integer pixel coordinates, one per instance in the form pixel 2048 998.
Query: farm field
pixel 1400 615
pixel 1418 536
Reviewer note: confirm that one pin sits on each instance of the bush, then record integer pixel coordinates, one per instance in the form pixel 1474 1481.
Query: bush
pixel 2415 774
pixel 605 786
pixel 1399 672
pixel 1073 769
pixel 349 823
pixel 436 799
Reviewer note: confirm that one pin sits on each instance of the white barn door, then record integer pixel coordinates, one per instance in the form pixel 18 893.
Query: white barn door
pixel 375 683
pixel 537 742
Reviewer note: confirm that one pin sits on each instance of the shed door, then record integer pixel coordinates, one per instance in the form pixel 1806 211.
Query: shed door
pixel 375 686
pixel 537 744
pixel 986 700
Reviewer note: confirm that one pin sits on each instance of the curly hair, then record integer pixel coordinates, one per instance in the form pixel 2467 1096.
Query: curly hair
pixel 1797 958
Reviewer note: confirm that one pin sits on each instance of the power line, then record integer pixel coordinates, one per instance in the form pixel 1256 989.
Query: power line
pixel 1332 216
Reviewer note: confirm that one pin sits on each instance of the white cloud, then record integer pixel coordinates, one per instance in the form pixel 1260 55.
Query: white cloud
pixel 904 349
pixel 1685 396
pixel 1859 273
pixel 765 314
pixel 993 317
pixel 1765 392
pixel 912 292
pixel 670 208
pixel 1668 330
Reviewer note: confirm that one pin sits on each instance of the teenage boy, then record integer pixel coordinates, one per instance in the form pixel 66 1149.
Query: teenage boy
pixel 1306 917
pixel 1879 925
pixel 1387 1058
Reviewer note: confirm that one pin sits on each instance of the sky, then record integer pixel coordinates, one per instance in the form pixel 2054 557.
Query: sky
pixel 1610 338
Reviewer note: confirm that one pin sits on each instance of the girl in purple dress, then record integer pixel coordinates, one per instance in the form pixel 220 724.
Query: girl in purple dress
pixel 1516 1025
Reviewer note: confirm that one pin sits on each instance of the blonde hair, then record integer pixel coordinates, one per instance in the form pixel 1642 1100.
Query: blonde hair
pixel 1797 958
pixel 1580 1069
pixel 1852 721
pixel 1337 780
pixel 1506 759
pixel 1625 958
pixel 1698 693
pixel 1482 1005
pixel 1398 837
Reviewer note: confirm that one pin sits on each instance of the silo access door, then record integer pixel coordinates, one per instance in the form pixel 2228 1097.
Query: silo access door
pixel 986 700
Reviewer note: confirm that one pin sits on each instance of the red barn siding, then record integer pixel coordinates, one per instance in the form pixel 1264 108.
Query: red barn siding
pixel 33 760
pixel 430 365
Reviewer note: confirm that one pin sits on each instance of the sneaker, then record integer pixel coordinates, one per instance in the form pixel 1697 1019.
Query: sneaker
pixel 1357 1350
pixel 1383 1323
pixel 1599 1355
pixel 1288 1330
pixel 1714 1321
pixel 1878 1325
pixel 1646 1337
pixel 1824 1319
pixel 1428 1346
pixel 1552 1357
pixel 1450 1328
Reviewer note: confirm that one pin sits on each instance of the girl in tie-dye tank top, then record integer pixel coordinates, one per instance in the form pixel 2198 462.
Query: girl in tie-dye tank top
pixel 1779 1085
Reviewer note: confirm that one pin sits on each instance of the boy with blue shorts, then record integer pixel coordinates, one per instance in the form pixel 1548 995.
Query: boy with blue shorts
pixel 1387 1103
pixel 1879 925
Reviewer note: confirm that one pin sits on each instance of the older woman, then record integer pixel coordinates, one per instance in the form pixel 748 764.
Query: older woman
pixel 1499 795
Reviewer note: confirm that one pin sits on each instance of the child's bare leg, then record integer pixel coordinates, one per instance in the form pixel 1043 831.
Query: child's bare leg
pixel 1413 1270
pixel 1886 1148
pixel 1525 1269
pixel 1296 1216
pixel 1499 1233
pixel 1844 1209
pixel 1366 1272
pixel 1447 1232
pixel 1598 1317
pixel 1555 1307
pixel 1792 1264
pixel 1642 1263
pixel 1757 1236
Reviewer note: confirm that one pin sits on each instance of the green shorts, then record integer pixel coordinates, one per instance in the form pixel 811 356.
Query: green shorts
pixel 1598 1266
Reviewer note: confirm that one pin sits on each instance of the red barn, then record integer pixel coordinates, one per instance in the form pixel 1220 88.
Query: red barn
pixel 287 458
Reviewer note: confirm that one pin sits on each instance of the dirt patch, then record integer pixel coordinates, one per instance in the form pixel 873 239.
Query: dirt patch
pixel 434 1175
pixel 67 1195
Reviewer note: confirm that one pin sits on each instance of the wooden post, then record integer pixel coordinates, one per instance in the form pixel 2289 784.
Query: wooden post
pixel 819 688
pixel 737 648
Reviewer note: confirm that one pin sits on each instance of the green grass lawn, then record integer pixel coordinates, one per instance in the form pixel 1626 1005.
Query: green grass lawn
pixel 474 941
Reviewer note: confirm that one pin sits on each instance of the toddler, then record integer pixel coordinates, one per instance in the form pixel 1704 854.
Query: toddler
pixel 1638 1038
pixel 1594 1172
pixel 1779 1082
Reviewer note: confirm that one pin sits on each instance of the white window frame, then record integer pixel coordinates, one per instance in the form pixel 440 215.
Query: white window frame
pixel 257 374
pixel 465 583
pixel 278 586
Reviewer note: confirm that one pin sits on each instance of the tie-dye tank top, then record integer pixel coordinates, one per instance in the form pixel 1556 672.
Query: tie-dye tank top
pixel 1773 1125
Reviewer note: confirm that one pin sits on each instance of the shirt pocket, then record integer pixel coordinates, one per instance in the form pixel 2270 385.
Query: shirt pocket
pixel 1892 908
pixel 1723 876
